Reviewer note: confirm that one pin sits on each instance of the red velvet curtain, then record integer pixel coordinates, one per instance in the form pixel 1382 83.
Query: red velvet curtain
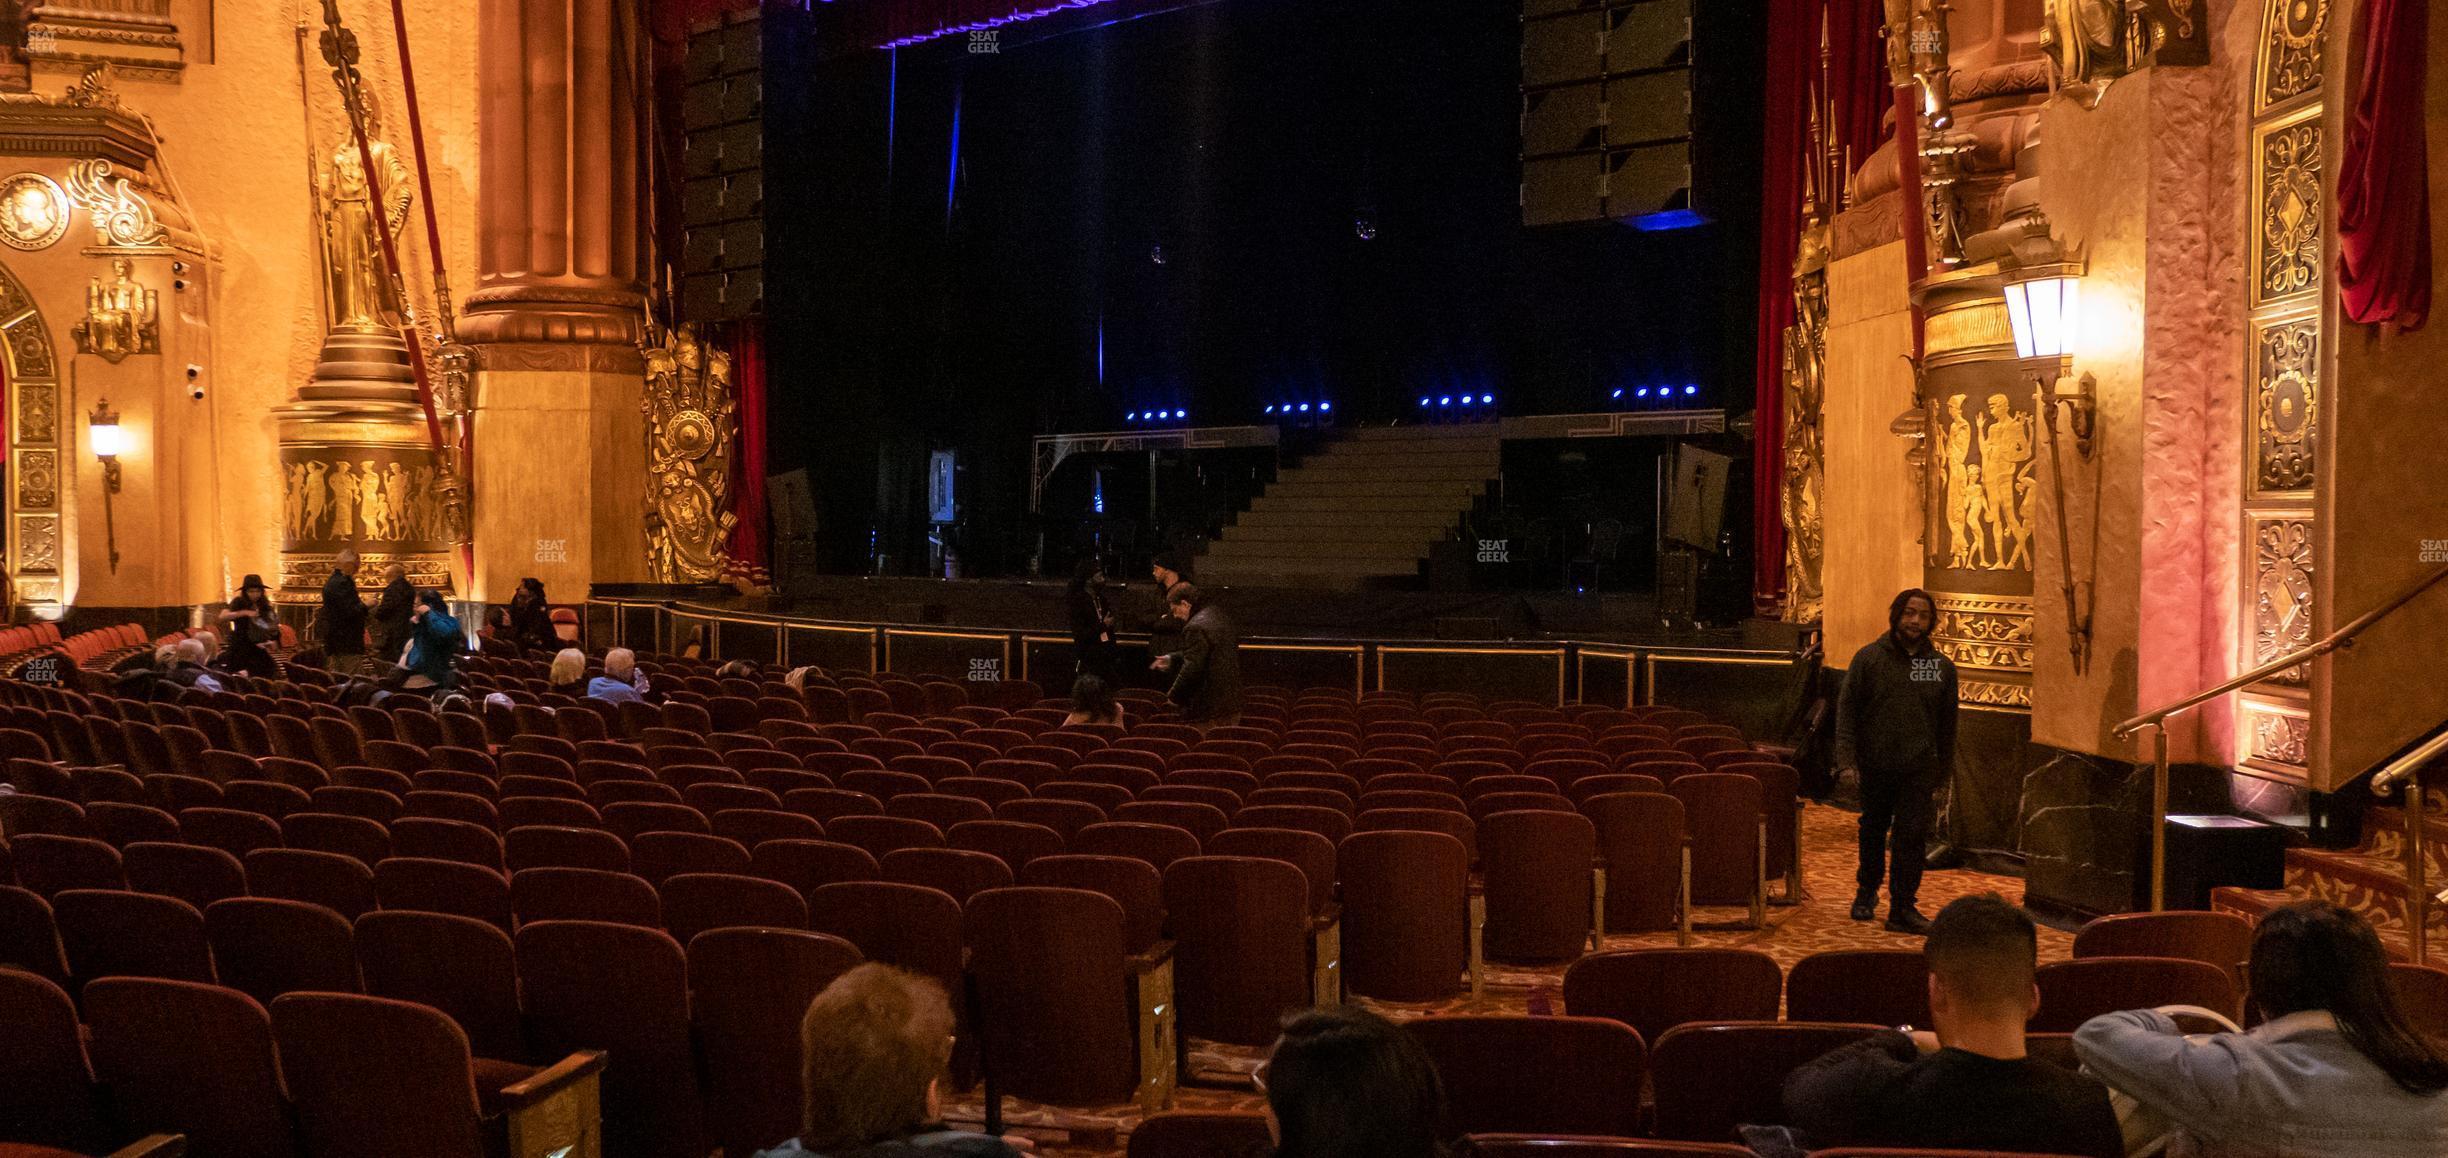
pixel 2384 195
pixel 750 545
pixel 1856 85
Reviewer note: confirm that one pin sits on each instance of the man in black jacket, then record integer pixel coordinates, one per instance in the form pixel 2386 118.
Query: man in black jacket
pixel 1968 1082
pixel 1207 671
pixel 343 621
pixel 1895 728
pixel 391 615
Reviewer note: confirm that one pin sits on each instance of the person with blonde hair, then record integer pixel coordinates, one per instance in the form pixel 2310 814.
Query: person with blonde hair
pixel 873 1048
pixel 568 675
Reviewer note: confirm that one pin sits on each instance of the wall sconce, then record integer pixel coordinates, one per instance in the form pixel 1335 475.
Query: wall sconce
pixel 109 442
pixel 2042 304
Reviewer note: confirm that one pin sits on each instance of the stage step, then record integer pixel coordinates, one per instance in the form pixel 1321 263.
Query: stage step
pixel 2370 879
pixel 1368 507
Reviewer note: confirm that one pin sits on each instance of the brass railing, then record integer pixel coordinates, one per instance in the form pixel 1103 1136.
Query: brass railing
pixel 2409 768
pixel 2156 721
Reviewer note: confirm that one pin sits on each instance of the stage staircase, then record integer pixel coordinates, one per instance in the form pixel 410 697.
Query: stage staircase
pixel 1364 511
pixel 2369 878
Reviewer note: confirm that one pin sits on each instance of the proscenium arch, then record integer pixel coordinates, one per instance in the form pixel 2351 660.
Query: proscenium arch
pixel 41 552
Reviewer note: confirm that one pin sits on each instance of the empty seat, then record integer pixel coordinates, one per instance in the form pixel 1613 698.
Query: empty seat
pixel 695 902
pixel 958 872
pixel 588 985
pixel 1054 995
pixel 2221 939
pixel 881 835
pixel 50 865
pixel 264 947
pixel 558 846
pixel 1654 990
pixel 1200 1134
pixel 808 865
pixel 29 935
pixel 375 1078
pixel 1405 915
pixel 1711 1078
pixel 191 872
pixel 1641 839
pixel 1241 945
pixel 658 856
pixel 1015 843
pixel 1544 1075
pixel 577 894
pixel 1540 892
pixel 459 965
pixel 1157 844
pixel 1133 884
pixel 336 882
pixel 436 838
pixel 123 934
pixel 1726 820
pixel 906 926
pixel 46 1089
pixel 1879 986
pixel 356 837
pixel 2073 992
pixel 197 1060
pixel 420 884
pixel 748 990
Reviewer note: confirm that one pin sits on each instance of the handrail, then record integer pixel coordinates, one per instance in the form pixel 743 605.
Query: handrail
pixel 2326 644
pixel 2403 766
pixel 2409 768
pixel 2156 720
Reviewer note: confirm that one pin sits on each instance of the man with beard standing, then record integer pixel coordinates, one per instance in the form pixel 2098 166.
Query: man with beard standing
pixel 1895 728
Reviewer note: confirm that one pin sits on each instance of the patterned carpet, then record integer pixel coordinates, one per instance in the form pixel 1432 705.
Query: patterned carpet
pixel 1793 931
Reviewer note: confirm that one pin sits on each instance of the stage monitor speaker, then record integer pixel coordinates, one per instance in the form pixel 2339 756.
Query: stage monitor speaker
pixel 792 504
pixel 1695 506
pixel 1678 586
pixel 1606 109
pixel 722 169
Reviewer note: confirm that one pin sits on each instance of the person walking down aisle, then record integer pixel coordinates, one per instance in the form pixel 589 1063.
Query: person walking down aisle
pixel 1895 730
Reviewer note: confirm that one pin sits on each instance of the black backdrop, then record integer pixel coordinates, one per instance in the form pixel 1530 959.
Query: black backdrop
pixel 963 247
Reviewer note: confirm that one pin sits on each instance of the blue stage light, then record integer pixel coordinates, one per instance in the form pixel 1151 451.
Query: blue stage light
pixel 1487 398
pixel 1691 388
pixel 1643 392
pixel 1445 401
pixel 1270 410
pixel 1423 402
pixel 1304 408
pixel 1133 416
pixel 1325 406
pixel 1619 392
pixel 1181 414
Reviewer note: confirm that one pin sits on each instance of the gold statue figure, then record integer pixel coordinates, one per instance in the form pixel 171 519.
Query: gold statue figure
pixel 121 316
pixel 361 287
pixel 691 421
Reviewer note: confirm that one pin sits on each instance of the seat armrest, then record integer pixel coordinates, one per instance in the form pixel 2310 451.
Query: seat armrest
pixel 1157 955
pixel 546 1082
pixel 154 1146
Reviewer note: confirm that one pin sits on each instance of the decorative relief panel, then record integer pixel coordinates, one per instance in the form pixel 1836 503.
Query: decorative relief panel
pixel 2281 589
pixel 2292 34
pixel 1985 631
pixel 37 412
pixel 37 478
pixel 1993 694
pixel 2287 209
pixel 38 545
pixel 2286 386
pixel 1982 490
pixel 2275 738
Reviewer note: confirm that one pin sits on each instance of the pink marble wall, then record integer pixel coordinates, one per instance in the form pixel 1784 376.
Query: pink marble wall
pixel 2150 185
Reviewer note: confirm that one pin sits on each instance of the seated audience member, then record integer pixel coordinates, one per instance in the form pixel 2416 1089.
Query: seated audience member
pixel 1345 1083
pixel 568 675
pixel 621 680
pixel 1969 1085
pixel 187 668
pixel 876 1042
pixel 494 638
pixel 743 669
pixel 2335 1069
pixel 1093 702
pixel 798 678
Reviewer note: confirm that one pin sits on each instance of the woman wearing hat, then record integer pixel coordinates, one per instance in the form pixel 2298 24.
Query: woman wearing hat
pixel 250 621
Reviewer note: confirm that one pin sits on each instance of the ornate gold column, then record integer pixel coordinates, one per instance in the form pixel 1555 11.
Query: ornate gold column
pixel 558 308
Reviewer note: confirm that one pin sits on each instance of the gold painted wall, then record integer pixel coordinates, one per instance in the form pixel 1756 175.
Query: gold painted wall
pixel 1868 498
pixel 2383 510
pixel 234 139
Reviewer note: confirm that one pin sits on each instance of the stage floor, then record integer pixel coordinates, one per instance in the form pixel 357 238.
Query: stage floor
pixel 1793 932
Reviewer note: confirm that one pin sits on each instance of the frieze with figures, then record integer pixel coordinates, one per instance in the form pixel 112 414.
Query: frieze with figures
pixel 360 495
pixel 1982 489
pixel 1984 631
